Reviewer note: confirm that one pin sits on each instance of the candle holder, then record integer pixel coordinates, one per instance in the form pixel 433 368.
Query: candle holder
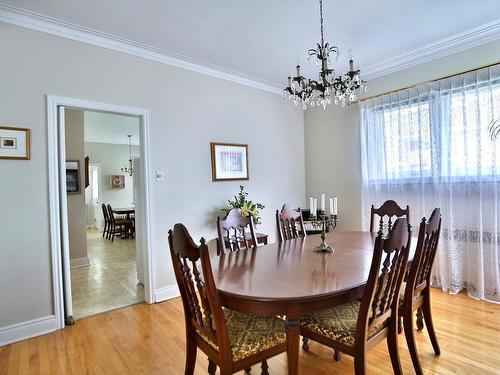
pixel 325 223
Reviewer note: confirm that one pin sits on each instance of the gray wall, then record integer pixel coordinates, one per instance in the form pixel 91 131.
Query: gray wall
pixel 332 150
pixel 188 110
pixel 77 212
pixel 111 158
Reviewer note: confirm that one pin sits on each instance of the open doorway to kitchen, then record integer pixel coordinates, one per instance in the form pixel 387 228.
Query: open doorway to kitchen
pixel 101 211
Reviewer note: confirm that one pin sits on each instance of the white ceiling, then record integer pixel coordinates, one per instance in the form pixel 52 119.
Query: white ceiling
pixel 264 38
pixel 109 128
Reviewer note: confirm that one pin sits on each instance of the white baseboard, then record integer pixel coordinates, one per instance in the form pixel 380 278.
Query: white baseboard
pixel 26 330
pixel 168 292
pixel 80 262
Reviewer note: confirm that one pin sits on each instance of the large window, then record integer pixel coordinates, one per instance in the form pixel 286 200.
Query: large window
pixel 438 135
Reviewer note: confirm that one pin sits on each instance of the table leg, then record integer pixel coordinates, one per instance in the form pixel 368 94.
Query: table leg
pixel 292 340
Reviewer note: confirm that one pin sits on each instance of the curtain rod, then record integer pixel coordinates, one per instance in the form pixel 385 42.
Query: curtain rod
pixel 433 80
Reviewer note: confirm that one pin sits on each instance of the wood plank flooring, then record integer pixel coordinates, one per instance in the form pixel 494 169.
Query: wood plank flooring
pixel 149 339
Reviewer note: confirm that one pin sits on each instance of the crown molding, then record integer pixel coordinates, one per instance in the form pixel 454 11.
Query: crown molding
pixel 35 21
pixel 445 47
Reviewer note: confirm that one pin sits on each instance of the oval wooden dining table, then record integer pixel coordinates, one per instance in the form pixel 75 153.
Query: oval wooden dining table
pixel 291 279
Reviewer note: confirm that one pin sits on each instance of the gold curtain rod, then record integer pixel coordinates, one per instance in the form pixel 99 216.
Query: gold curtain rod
pixel 433 80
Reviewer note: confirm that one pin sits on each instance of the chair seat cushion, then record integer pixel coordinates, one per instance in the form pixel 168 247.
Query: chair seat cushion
pixel 402 294
pixel 250 334
pixel 338 323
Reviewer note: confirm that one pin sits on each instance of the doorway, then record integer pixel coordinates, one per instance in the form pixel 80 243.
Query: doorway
pixel 131 248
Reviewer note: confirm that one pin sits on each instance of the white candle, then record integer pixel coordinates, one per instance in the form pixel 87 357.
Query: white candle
pixel 315 205
pixel 323 202
pixel 331 206
pixel 311 204
pixel 335 212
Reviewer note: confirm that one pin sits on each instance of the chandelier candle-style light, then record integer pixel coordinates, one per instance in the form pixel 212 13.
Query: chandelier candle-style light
pixel 329 87
pixel 130 168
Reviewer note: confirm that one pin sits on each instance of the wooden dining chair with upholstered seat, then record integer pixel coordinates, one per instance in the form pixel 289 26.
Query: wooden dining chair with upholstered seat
pixel 357 326
pixel 289 223
pixel 416 294
pixel 389 210
pixel 235 232
pixel 232 340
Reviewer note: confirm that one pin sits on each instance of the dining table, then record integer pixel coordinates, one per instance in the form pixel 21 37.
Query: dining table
pixel 290 278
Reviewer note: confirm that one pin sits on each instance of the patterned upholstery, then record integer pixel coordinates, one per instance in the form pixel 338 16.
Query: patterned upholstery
pixel 338 324
pixel 249 334
pixel 402 293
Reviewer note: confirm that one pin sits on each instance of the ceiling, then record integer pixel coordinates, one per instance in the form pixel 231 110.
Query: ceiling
pixel 109 128
pixel 264 38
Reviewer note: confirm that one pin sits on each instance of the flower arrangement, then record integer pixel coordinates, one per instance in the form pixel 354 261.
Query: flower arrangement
pixel 245 206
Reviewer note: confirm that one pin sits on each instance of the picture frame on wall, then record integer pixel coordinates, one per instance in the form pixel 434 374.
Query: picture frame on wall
pixel 229 161
pixel 117 182
pixel 73 176
pixel 15 143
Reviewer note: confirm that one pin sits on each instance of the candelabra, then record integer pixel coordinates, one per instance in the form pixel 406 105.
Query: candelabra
pixel 325 223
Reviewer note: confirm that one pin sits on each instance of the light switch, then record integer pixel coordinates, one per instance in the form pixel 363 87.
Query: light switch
pixel 159 175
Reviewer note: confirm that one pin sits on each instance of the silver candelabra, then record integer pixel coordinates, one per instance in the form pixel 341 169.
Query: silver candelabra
pixel 325 223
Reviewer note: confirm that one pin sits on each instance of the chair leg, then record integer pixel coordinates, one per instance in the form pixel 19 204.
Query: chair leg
pixel 410 341
pixel 305 344
pixel 337 356
pixel 392 344
pixel 400 324
pixel 191 350
pixel 212 367
pixel 104 230
pixel 265 368
pixel 360 363
pixel 429 324
pixel 420 320
pixel 113 231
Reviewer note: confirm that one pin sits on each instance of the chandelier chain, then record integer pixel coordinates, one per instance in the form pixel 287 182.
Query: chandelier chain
pixel 321 20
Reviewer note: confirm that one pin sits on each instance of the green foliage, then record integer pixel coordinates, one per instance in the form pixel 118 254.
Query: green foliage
pixel 245 206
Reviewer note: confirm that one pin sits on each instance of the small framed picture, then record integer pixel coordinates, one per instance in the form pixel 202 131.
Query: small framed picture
pixel 72 176
pixel 14 143
pixel 117 182
pixel 229 161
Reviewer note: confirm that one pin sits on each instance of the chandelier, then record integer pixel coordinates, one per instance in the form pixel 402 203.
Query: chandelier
pixel 329 87
pixel 130 168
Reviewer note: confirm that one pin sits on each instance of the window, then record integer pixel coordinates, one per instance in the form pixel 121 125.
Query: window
pixel 442 134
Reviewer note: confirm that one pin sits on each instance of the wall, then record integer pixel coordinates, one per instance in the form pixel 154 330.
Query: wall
pixel 188 110
pixel 77 213
pixel 332 151
pixel 111 158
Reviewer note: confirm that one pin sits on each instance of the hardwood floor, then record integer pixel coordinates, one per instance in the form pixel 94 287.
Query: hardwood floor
pixel 149 339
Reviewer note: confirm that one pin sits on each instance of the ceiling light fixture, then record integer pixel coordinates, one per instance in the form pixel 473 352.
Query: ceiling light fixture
pixel 342 89
pixel 130 168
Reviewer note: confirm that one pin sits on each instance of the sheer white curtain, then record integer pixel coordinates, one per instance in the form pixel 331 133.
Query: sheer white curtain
pixel 429 146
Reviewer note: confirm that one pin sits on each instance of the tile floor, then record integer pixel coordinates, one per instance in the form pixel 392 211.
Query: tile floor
pixel 110 281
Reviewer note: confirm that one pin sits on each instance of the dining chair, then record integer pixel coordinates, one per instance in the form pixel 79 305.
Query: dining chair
pixel 117 225
pixel 389 209
pixel 235 232
pixel 106 220
pixel 357 326
pixel 416 294
pixel 232 340
pixel 289 223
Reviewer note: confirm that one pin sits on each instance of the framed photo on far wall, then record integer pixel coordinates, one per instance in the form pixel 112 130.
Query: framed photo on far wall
pixel 229 161
pixel 117 182
pixel 14 143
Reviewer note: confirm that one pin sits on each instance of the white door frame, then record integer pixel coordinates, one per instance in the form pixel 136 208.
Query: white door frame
pixel 99 178
pixel 56 175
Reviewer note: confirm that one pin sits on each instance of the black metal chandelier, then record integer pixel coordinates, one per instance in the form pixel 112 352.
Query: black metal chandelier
pixel 343 89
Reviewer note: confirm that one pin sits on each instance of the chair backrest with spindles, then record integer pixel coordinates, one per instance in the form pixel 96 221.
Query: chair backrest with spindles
pixel 105 213
pixel 421 265
pixel 290 223
pixel 388 210
pixel 381 294
pixel 202 308
pixel 234 232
